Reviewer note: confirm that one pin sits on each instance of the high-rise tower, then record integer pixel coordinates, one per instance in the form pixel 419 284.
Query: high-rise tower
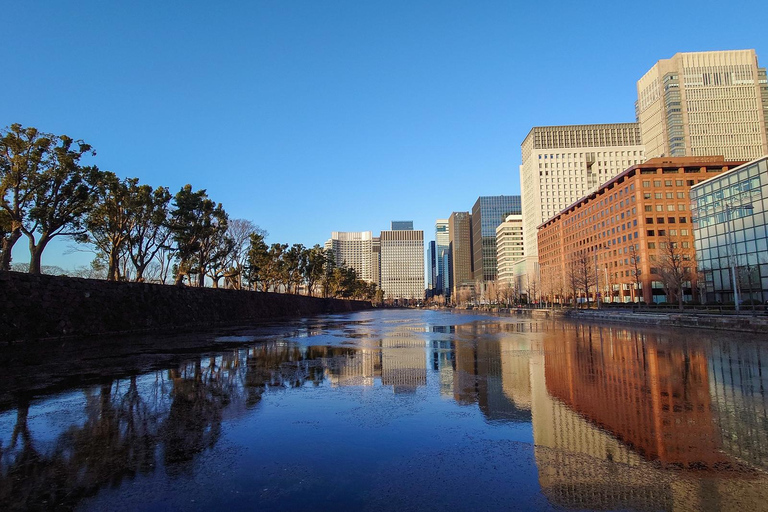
pixel 704 104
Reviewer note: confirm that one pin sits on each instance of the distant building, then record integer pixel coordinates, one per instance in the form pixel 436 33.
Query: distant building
pixel 442 241
pixel 562 164
pixel 353 249
pixel 431 269
pixel 376 260
pixel 704 103
pixel 402 263
pixel 509 247
pixel 730 225
pixel 460 240
pixel 487 213
pixel 402 225
pixel 619 235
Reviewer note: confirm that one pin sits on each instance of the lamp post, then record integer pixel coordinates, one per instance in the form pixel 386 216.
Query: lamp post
pixel 730 232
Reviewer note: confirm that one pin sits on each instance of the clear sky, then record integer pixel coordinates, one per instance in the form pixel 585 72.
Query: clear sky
pixel 314 116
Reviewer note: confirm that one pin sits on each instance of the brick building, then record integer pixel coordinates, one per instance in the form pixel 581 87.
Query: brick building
pixel 621 239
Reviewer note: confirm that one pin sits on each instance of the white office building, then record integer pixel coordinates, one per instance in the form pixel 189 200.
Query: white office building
pixel 509 247
pixel 353 249
pixel 562 164
pixel 402 264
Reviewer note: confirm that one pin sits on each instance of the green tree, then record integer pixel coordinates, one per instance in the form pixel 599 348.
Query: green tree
pixel 109 221
pixel 198 227
pixel 295 262
pixel 314 270
pixel 63 195
pixel 149 234
pixel 257 261
pixel 25 153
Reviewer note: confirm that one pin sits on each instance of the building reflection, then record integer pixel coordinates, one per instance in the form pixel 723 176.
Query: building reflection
pixel 491 372
pixel 614 408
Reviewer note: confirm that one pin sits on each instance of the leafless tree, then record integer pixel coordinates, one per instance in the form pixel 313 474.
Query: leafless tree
pixel 636 271
pixel 581 275
pixel 674 269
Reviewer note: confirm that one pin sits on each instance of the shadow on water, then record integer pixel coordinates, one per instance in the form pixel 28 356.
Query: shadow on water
pixel 618 418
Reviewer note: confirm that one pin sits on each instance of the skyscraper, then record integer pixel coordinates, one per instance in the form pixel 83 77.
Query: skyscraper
pixel 402 264
pixel 509 247
pixel 562 164
pixel 487 213
pixel 442 243
pixel 460 241
pixel 353 249
pixel 704 104
pixel 431 269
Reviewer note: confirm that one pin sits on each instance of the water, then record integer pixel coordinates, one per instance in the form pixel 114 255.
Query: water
pixel 391 410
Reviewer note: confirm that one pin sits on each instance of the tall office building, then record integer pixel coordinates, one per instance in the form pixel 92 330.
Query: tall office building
pixel 704 104
pixel 353 249
pixel 376 260
pixel 509 247
pixel 442 242
pixel 562 164
pixel 402 264
pixel 431 269
pixel 460 242
pixel 487 213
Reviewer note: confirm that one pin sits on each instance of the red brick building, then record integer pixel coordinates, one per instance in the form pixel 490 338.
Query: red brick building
pixel 623 236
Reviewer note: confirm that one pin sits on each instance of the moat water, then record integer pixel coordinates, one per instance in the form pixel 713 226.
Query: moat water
pixel 394 410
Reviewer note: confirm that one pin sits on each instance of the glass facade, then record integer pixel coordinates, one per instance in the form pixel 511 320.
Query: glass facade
pixel 487 213
pixel 442 241
pixel 730 214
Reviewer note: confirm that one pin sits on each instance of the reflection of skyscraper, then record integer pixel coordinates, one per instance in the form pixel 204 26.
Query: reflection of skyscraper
pixel 603 397
pixel 480 377
pixel 652 396
pixel 737 386
pixel 403 363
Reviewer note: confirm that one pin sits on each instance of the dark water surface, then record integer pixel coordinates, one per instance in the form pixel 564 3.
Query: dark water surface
pixel 393 410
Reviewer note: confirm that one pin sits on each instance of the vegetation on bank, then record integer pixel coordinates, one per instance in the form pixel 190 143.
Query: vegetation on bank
pixel 141 233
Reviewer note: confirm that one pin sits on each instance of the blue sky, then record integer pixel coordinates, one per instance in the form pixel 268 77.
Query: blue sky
pixel 313 116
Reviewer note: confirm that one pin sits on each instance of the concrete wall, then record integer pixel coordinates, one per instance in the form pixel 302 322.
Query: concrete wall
pixel 34 307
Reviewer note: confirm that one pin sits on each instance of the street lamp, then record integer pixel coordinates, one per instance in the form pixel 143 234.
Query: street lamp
pixel 733 261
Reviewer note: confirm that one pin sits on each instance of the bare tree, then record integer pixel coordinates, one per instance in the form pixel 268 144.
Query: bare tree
pixel 674 269
pixel 634 260
pixel 581 275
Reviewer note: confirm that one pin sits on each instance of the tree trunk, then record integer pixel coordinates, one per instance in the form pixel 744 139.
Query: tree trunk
pixel 36 253
pixel 7 248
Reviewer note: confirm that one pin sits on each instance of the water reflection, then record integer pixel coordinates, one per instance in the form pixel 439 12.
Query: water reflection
pixel 620 418
pixel 631 420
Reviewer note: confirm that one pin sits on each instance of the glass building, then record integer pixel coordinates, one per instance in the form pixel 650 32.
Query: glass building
pixel 730 215
pixel 487 213
pixel 442 241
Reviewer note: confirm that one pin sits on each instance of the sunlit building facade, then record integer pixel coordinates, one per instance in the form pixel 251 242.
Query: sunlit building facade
pixel 562 164
pixel 442 241
pixel 704 103
pixel 618 236
pixel 353 249
pixel 509 247
pixel 402 264
pixel 730 214
pixel 460 241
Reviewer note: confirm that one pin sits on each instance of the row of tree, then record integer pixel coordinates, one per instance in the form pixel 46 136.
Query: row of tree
pixel 143 233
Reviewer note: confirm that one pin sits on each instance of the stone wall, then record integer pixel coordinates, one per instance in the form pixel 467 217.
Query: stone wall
pixel 747 322
pixel 34 307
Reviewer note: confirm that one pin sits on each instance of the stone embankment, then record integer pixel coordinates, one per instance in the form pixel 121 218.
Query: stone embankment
pixel 757 323
pixel 35 307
